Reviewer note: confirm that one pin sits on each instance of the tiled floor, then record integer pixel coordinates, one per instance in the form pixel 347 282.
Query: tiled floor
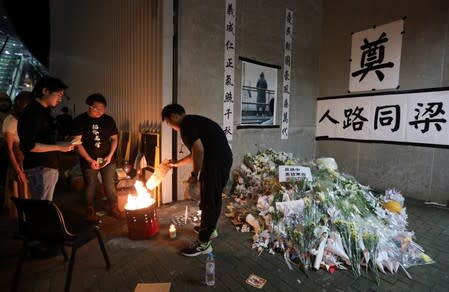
pixel 158 260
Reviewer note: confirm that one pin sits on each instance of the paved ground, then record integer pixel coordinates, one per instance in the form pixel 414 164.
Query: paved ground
pixel 158 259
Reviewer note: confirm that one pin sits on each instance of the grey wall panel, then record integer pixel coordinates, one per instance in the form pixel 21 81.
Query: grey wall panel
pixel 113 47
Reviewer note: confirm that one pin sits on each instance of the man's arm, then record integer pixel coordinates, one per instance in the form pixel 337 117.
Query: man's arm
pixel 40 148
pixel 181 162
pixel 196 157
pixel 114 143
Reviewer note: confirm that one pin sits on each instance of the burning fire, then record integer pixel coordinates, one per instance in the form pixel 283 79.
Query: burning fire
pixel 143 198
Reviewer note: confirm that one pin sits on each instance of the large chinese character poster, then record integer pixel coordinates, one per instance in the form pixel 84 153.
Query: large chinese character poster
pixel 376 57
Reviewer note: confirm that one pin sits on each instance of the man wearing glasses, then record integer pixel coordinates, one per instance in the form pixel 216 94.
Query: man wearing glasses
pixel 97 132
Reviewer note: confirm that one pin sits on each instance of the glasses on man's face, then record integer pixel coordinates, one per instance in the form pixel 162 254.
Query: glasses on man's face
pixel 97 109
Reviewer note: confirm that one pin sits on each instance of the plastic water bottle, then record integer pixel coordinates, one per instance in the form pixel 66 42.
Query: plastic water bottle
pixel 210 270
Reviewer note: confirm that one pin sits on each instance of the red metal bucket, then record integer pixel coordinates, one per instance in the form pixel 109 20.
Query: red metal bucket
pixel 142 223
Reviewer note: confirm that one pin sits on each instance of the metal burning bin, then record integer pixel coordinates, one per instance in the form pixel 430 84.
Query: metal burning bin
pixel 142 223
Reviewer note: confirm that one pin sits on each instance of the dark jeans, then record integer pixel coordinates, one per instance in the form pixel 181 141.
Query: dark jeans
pixel 212 181
pixel 107 176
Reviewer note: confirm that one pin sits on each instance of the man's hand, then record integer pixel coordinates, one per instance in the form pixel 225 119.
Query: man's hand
pixel 94 165
pixel 66 147
pixel 173 163
pixel 106 161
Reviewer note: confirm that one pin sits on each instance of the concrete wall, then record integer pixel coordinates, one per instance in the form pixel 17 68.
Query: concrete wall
pixel 419 172
pixel 259 36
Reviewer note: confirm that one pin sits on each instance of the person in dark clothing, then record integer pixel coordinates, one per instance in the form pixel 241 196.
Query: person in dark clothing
pixel 64 124
pixel 261 94
pixel 211 157
pixel 37 135
pixel 99 136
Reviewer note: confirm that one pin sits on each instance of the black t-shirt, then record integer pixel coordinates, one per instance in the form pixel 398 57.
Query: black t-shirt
pixel 96 134
pixel 36 125
pixel 216 147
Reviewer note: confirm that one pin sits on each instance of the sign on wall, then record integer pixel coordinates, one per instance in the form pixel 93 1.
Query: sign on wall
pixel 376 57
pixel 286 76
pixel 229 68
pixel 418 117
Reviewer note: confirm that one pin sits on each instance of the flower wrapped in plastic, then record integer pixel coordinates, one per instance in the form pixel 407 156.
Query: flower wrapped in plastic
pixel 330 221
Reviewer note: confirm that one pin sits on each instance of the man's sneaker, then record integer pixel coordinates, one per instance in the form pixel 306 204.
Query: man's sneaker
pixel 214 234
pixel 197 248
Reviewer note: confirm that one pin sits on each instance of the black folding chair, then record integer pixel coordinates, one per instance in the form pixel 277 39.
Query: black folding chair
pixel 41 221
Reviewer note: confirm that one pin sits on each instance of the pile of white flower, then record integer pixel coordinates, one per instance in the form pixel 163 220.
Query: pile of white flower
pixel 331 222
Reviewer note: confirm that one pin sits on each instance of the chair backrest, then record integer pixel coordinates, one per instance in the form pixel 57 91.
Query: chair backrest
pixel 40 220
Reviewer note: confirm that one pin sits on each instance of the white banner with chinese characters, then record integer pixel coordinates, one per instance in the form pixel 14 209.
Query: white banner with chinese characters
pixel 294 173
pixel 376 57
pixel 286 76
pixel 229 68
pixel 418 117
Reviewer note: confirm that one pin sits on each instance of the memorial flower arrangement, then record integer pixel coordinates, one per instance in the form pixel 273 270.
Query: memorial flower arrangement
pixel 330 221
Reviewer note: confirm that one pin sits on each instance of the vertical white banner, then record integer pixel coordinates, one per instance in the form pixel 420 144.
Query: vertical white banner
pixel 376 57
pixel 286 76
pixel 229 68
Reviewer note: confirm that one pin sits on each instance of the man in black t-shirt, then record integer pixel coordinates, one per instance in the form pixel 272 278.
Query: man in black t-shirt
pixel 211 157
pixel 98 134
pixel 37 133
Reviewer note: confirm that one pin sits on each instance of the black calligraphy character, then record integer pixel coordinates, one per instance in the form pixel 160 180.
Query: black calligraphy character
pixel 229 45
pixel 385 116
pixel 230 27
pixel 328 116
pixel 287 61
pixel 288 46
pixel 286 88
pixel 289 18
pixel 357 121
pixel 228 97
pixel 285 119
pixel 288 31
pixel 229 63
pixel 227 131
pixel 284 131
pixel 230 10
pixel 286 75
pixel 286 103
pixel 228 81
pixel 372 58
pixel 228 113
pixel 433 109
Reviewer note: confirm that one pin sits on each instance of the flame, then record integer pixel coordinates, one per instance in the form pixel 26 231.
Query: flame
pixel 143 198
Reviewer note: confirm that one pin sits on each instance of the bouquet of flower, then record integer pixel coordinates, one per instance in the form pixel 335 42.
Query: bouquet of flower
pixel 331 220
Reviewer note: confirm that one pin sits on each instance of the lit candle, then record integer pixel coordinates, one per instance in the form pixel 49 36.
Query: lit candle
pixel 187 211
pixel 172 231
